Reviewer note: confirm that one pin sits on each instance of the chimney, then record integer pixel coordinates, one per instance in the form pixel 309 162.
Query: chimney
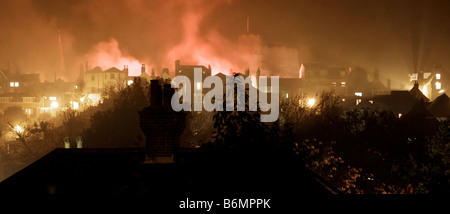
pixel 79 142
pixel 155 93
pixel 388 84
pixel 143 69
pixel 209 70
pixel 153 73
pixel 66 143
pixel 125 69
pixel 247 72
pixel 258 73
pixel 167 95
pixel 177 67
pixel 161 125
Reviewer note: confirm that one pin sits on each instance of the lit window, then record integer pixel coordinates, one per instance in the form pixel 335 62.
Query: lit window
pixel 343 84
pixel 371 101
pixel 287 95
pixel 54 104
pixel 130 82
pixel 399 115
pixel 438 76
pixel 359 94
pixel 75 105
pixel 28 111
pixel 413 77
pixel 16 84
pixel 52 98
pixel 18 129
pixel 438 85
pixel 358 101
pixel 11 84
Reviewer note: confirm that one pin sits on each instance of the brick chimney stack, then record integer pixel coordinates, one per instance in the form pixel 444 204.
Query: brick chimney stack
pixel 143 69
pixel 161 125
pixel 155 93
pixel 167 95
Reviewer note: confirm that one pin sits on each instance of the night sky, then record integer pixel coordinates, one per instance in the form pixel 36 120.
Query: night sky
pixel 395 36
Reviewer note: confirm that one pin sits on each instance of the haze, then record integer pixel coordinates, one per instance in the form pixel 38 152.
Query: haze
pixel 395 37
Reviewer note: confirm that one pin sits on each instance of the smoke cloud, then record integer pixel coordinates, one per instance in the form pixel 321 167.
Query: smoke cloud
pixel 108 54
pixel 370 34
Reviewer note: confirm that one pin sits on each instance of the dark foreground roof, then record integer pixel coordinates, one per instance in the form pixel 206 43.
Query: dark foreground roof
pixel 123 172
pixel 440 107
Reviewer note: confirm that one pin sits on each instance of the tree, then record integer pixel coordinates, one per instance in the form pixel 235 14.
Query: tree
pixel 116 121
pixel 30 142
pixel 242 130
pixel 248 155
pixel 14 115
pixel 199 128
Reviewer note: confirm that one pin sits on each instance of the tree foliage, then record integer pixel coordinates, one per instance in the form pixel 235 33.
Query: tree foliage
pixel 116 121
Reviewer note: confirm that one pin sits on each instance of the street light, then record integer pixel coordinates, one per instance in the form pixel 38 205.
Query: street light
pixel 18 129
pixel 311 102
pixel 54 104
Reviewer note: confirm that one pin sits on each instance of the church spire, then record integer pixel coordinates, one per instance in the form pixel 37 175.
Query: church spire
pixel 61 67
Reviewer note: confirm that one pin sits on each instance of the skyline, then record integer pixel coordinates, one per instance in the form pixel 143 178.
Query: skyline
pixel 393 37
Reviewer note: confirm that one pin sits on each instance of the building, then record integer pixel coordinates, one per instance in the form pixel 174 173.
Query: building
pixel 197 90
pixel 97 80
pixel 162 168
pixel 433 83
pixel 165 74
pixel 440 107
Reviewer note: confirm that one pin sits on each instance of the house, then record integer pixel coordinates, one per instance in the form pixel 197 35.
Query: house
pixel 163 170
pixel 440 107
pixel 97 80
pixel 197 91
pixel 433 83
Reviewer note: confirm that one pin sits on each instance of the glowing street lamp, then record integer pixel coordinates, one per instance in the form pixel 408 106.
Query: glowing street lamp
pixel 311 102
pixel 54 104
pixel 18 129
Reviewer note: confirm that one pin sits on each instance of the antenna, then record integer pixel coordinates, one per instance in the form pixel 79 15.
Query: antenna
pixel 61 56
pixel 248 23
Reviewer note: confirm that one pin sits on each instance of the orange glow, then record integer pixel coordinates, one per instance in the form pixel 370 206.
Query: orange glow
pixel 108 54
pixel 301 71
pixel 211 49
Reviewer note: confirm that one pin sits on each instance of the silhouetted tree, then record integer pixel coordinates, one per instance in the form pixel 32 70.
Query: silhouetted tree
pixel 29 143
pixel 116 121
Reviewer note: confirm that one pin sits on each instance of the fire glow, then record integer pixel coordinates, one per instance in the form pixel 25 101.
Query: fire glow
pixel 195 47
pixel 108 54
